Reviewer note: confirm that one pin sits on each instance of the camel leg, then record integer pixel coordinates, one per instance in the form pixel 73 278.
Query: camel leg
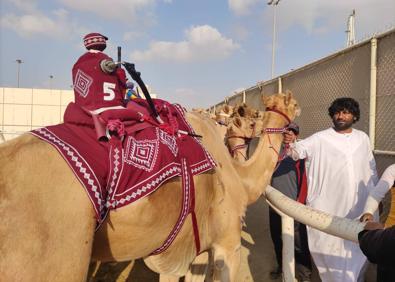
pixel 198 269
pixel 226 263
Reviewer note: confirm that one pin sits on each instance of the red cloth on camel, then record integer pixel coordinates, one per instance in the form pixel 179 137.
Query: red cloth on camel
pixel 115 175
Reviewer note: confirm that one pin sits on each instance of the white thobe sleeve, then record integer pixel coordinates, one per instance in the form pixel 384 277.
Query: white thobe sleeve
pixel 378 192
pixel 300 149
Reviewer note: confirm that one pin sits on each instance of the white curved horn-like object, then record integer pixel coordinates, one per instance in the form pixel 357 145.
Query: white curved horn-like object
pixel 342 227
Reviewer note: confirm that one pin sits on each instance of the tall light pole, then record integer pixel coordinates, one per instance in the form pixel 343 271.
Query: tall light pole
pixel 19 62
pixel 273 3
pixel 351 29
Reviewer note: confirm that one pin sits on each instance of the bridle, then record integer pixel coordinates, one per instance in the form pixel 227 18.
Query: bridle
pixel 280 113
pixel 237 148
pixel 280 130
pixel 268 131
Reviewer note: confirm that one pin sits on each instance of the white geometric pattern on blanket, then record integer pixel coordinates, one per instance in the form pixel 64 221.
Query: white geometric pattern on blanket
pixel 142 153
pixel 168 140
pixel 152 185
pixel 82 83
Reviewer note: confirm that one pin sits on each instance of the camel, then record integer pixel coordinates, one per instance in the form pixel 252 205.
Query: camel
pixel 222 118
pixel 223 114
pixel 48 222
pixel 241 121
pixel 204 112
pixel 245 126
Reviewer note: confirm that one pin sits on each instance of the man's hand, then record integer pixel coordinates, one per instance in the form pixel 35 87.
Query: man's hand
pixel 366 217
pixel 289 137
pixel 373 225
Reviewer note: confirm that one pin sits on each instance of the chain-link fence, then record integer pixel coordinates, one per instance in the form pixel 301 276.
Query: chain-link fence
pixel 354 72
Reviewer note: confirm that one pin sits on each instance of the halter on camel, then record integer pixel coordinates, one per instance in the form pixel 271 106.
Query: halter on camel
pixel 237 148
pixel 268 131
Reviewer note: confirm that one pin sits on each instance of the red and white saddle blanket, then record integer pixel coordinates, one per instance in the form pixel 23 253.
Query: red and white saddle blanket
pixel 133 165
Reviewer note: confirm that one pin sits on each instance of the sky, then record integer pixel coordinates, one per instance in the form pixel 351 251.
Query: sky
pixel 192 52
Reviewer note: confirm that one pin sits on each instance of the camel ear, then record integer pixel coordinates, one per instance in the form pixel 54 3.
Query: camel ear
pixel 256 114
pixel 265 100
pixel 241 111
pixel 237 122
pixel 269 102
pixel 288 97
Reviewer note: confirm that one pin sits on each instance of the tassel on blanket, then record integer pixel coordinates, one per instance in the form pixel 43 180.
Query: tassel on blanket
pixel 116 127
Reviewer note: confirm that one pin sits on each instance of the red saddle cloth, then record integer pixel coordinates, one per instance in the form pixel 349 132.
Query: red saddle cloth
pixel 118 172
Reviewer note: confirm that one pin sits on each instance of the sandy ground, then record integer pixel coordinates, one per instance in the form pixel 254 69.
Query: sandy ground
pixel 256 262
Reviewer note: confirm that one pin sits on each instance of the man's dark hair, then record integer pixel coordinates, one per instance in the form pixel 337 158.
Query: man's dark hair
pixel 345 103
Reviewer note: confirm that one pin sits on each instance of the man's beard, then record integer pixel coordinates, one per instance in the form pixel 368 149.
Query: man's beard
pixel 341 125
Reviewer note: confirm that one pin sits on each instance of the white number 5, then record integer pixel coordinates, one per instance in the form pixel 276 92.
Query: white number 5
pixel 108 89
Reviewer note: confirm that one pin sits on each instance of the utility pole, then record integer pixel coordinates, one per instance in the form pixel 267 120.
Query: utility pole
pixel 19 62
pixel 273 3
pixel 351 29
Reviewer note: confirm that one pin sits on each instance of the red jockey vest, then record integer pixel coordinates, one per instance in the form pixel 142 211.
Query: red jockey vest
pixel 94 89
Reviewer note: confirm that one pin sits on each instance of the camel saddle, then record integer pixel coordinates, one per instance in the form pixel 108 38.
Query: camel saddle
pixel 122 155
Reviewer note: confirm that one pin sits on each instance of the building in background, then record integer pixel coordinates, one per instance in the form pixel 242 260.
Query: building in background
pixel 24 109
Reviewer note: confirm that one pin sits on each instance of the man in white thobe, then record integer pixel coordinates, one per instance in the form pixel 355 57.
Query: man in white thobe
pixel 341 171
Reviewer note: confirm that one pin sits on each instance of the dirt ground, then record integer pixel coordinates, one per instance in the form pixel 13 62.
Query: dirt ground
pixel 256 262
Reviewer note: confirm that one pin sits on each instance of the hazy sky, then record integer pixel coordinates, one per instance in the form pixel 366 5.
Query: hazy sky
pixel 194 52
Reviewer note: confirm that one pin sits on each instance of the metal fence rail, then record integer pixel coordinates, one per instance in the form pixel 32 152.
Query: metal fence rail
pixel 364 72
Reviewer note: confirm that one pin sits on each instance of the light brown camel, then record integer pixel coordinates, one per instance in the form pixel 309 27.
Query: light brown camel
pixel 223 114
pixel 221 118
pixel 47 231
pixel 204 112
pixel 245 125
pixel 242 119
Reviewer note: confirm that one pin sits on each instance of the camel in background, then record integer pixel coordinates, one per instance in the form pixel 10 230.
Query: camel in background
pixel 48 222
pixel 244 126
pixel 204 112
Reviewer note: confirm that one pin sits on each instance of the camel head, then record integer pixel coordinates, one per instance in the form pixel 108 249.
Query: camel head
pixel 222 116
pixel 241 126
pixel 284 103
pixel 245 111
pixel 239 132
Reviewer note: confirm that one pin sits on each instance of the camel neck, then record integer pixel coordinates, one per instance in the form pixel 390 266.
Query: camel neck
pixel 257 171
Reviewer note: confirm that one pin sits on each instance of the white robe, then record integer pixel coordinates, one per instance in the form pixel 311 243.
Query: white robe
pixel 383 186
pixel 341 171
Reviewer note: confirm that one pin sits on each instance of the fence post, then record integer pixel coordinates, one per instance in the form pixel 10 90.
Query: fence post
pixel 288 237
pixel 288 233
pixel 280 85
pixel 373 92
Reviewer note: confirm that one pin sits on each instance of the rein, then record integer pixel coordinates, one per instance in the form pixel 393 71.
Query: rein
pixel 269 131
